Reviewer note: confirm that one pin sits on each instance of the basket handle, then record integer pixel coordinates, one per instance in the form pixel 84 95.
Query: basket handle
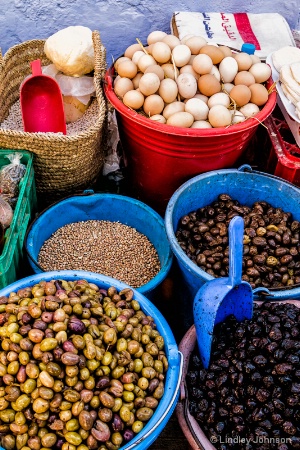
pixel 100 56
pixel 1 60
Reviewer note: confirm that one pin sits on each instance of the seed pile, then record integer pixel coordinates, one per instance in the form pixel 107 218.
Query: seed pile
pixel 271 256
pixel 14 119
pixel 100 246
pixel 251 389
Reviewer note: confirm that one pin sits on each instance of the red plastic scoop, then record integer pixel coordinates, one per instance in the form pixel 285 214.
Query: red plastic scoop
pixel 41 103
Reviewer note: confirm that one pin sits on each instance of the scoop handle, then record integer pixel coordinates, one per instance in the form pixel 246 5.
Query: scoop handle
pixel 236 236
pixel 36 67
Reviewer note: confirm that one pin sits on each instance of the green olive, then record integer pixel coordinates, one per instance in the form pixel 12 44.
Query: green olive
pixel 144 414
pixel 48 344
pixel 124 413
pixel 118 372
pixel 7 415
pixel 110 336
pixel 49 440
pixel 46 393
pixel 53 369
pixel 117 405
pixel 13 367
pixel 138 365
pixel 72 425
pixel 128 396
pixel 84 374
pixel 73 438
pixel 143 383
pixel 8 442
pixel 66 415
pixel 137 426
pixel 107 359
pixel 40 405
pixel 22 402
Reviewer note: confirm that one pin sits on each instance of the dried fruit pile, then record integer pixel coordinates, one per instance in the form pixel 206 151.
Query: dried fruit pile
pixel 271 256
pixel 80 367
pixel 251 390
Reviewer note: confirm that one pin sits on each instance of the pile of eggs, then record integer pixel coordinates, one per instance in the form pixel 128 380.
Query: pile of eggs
pixel 190 83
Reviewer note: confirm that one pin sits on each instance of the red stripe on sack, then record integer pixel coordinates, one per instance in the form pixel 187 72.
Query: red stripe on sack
pixel 245 30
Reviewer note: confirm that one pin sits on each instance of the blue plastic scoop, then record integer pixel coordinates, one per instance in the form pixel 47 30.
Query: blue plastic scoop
pixel 222 297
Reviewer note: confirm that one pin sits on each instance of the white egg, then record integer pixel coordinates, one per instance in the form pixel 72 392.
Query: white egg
pixel 220 98
pixel 173 108
pixel 188 68
pixel 181 55
pixel 187 85
pixel 201 124
pixel 237 117
pixel 161 52
pixel 155 36
pixel 158 118
pixel 137 55
pixel 219 116
pixel 168 90
pixel 195 43
pixel 261 72
pixel 227 87
pixel 171 40
pixel 202 64
pixel 145 61
pixel 197 108
pixel 149 83
pixel 215 71
pixel 228 69
pixel 249 110
pixel 186 37
pixel 181 119
pixel 202 97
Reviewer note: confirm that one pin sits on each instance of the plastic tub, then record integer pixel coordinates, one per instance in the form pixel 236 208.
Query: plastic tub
pixel 243 184
pixel 12 255
pixel 168 402
pixel 111 207
pixel 190 427
pixel 160 157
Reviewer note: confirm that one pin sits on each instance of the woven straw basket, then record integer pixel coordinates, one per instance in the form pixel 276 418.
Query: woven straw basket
pixel 63 164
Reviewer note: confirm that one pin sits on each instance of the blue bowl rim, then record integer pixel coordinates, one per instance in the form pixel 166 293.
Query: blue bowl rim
pixel 173 376
pixel 164 270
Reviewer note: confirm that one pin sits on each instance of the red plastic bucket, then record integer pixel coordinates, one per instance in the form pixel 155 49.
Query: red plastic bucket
pixel 160 157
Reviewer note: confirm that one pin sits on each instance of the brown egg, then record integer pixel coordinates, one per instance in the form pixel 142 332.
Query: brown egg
pixel 155 68
pixel 195 43
pixel 226 50
pixel 213 52
pixel 131 50
pixel 133 99
pixel 208 85
pixel 127 69
pixel 123 85
pixel 240 94
pixel 259 94
pixel 244 77
pixel 153 104
pixel 244 61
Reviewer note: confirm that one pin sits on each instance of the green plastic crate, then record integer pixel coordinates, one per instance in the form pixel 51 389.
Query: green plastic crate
pixel 12 255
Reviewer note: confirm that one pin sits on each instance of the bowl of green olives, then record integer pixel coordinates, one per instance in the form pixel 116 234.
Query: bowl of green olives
pixel 86 362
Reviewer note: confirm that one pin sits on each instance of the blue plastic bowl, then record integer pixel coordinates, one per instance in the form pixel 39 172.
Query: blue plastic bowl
pixel 243 184
pixel 111 207
pixel 168 402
